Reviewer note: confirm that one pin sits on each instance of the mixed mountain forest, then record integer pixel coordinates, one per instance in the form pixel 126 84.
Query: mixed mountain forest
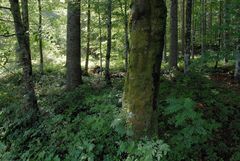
pixel 115 80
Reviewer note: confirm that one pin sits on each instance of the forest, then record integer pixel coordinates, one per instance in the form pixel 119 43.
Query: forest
pixel 119 80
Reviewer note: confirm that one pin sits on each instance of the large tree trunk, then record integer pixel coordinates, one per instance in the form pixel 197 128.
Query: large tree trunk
pixel 109 43
pixel 88 37
pixel 173 59
pixel 147 30
pixel 74 77
pixel 30 99
pixel 40 36
pixel 188 36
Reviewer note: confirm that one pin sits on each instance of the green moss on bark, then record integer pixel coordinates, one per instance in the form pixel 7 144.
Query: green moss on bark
pixel 147 30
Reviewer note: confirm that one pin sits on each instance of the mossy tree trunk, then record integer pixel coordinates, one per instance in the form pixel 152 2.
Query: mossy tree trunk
pixel 147 31
pixel 30 100
pixel 74 77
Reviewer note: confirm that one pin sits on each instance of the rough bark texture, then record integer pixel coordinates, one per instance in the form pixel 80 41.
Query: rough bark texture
pixel 40 36
pixel 174 34
pixel 74 78
pixel 147 30
pixel 30 99
pixel 188 36
pixel 109 43
pixel 88 36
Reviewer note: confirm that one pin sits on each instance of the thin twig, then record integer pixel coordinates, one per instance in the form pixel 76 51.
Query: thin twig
pixel 10 21
pixel 7 8
pixel 8 35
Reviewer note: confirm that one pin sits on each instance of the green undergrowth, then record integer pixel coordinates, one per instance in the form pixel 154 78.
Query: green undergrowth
pixel 198 121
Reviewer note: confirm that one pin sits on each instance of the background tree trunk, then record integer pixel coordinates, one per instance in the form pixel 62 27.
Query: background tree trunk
pixel 183 26
pixel 30 100
pixel 126 33
pixel 40 36
pixel 100 37
pixel 88 37
pixel 193 29
pixel 147 30
pixel 227 22
pixel 109 43
pixel 203 27
pixel 173 59
pixel 74 77
pixel 220 34
pixel 188 36
pixel 237 67
pixel 25 20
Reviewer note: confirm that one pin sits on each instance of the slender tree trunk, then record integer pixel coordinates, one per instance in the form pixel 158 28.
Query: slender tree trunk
pixel 25 20
pixel 165 49
pixel 100 37
pixel 227 22
pixel 147 30
pixel 173 59
pixel 126 34
pixel 203 27
pixel 183 26
pixel 74 77
pixel 109 43
pixel 237 67
pixel 40 36
pixel 210 25
pixel 30 100
pixel 188 36
pixel 193 29
pixel 220 35
pixel 88 37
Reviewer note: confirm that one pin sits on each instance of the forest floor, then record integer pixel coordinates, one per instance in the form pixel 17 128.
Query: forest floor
pixel 199 120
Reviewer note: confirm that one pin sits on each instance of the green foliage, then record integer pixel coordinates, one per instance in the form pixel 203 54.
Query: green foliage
pixel 189 130
pixel 199 118
pixel 145 150
pixel 84 124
